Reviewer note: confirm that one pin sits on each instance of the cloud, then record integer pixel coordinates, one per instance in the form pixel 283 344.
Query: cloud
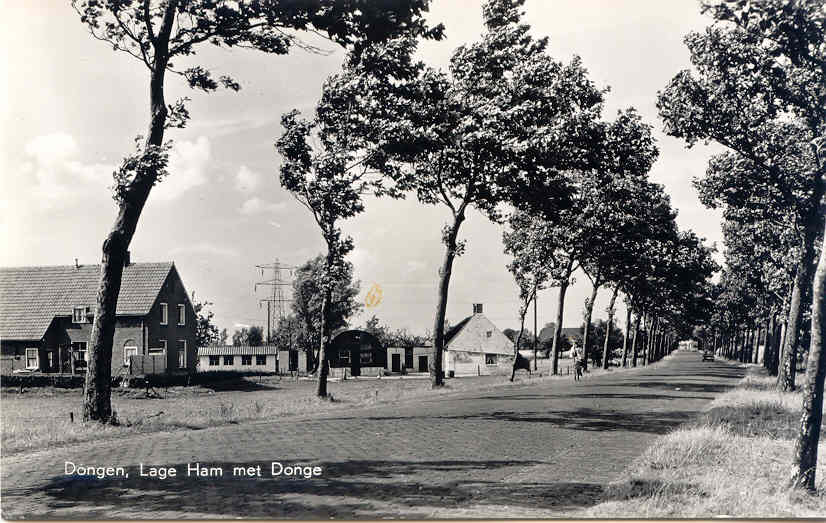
pixel 257 205
pixel 188 163
pixel 275 224
pixel 207 249
pixel 51 177
pixel 247 180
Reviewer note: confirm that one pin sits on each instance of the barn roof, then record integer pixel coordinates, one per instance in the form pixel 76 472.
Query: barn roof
pixel 239 350
pixel 31 297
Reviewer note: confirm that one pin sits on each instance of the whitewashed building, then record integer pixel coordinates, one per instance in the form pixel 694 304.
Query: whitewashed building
pixel 476 347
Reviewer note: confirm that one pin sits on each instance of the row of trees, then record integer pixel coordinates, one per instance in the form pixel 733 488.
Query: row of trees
pixel 758 88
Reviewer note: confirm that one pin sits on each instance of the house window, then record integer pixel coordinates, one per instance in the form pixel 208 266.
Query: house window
pixel 344 356
pixel 32 358
pixel 260 360
pixel 246 360
pixel 367 357
pixel 181 354
pixel 214 360
pixel 79 350
pixel 181 314
pixel 79 315
pixel 490 359
pixel 164 314
pixel 228 360
pixel 489 334
pixel 129 350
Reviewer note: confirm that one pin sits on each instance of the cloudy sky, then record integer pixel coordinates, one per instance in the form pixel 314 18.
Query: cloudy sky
pixel 71 107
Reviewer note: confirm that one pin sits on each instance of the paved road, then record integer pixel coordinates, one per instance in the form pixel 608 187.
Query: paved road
pixel 542 450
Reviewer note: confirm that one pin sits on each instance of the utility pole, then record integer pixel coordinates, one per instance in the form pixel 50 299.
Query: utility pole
pixel 276 310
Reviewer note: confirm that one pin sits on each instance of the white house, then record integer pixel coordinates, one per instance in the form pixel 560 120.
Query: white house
pixel 475 346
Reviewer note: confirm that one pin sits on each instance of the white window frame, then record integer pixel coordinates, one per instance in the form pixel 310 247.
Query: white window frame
pixel 181 314
pixel 127 349
pixel 164 314
pixel 85 349
pixel 180 351
pixel 217 361
pixel 489 334
pixel 229 360
pixel 158 350
pixel 260 356
pixel 494 357
pixel 246 356
pixel 78 314
pixel 36 358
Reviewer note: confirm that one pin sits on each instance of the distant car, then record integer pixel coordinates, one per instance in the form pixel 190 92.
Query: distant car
pixel 708 356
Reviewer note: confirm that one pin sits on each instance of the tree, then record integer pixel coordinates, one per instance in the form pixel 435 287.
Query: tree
pixel 251 336
pixel 303 328
pixel 534 263
pixel 748 84
pixel 206 332
pixel 505 124
pixel 158 33
pixel 792 37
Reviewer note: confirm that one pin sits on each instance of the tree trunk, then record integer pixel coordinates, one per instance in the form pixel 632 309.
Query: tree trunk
pixel 767 344
pixel 798 304
pixel 535 331
pixel 804 462
pixel 608 329
pixel 634 343
pixel 437 376
pixel 522 313
pixel 589 309
pixel 560 307
pixel 626 336
pixel 97 403
pixel 323 359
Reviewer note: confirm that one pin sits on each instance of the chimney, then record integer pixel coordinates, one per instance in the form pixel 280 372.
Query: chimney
pixel 477 308
pixel 127 259
pixel 76 264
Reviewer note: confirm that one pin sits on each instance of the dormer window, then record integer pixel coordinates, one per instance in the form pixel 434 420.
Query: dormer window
pixel 164 313
pixel 79 315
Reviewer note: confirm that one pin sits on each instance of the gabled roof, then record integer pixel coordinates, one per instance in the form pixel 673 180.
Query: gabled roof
pixel 31 297
pixel 453 331
pixel 239 350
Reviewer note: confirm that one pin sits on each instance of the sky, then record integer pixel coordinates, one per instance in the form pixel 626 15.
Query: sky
pixel 71 108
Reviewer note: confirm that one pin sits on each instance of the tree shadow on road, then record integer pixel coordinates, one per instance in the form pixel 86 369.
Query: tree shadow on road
pixel 345 490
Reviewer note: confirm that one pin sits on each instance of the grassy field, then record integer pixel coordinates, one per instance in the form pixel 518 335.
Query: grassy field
pixel 39 418
pixel 733 461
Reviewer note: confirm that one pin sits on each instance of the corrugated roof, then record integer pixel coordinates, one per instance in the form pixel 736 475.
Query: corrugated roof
pixel 239 350
pixel 31 297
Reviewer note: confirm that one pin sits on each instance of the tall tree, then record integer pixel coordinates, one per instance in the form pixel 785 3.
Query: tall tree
pixel 505 124
pixel 158 33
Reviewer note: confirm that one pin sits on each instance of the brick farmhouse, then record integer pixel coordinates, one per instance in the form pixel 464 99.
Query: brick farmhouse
pixel 46 316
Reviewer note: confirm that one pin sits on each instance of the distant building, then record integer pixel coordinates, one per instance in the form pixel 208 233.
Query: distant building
pixel 474 346
pixel 356 353
pixel 46 316
pixel 261 358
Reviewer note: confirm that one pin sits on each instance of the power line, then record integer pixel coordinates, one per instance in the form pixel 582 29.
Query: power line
pixel 276 310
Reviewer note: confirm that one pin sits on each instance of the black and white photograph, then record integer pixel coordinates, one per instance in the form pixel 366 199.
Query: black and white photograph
pixel 412 259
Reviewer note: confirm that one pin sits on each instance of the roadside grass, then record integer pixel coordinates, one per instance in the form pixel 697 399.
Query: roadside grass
pixel 39 418
pixel 733 460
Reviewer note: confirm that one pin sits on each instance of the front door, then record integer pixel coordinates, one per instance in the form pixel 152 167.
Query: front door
pixel 355 362
pixel 422 363
pixel 397 363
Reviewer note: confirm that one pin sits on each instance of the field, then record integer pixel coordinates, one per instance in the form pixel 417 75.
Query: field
pixel 733 461
pixel 40 418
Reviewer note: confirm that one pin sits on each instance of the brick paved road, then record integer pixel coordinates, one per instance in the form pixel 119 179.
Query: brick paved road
pixel 542 450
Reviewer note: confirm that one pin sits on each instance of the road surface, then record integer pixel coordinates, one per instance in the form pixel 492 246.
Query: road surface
pixel 540 450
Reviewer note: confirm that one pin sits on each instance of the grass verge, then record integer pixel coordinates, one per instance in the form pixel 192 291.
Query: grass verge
pixel 39 419
pixel 732 461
